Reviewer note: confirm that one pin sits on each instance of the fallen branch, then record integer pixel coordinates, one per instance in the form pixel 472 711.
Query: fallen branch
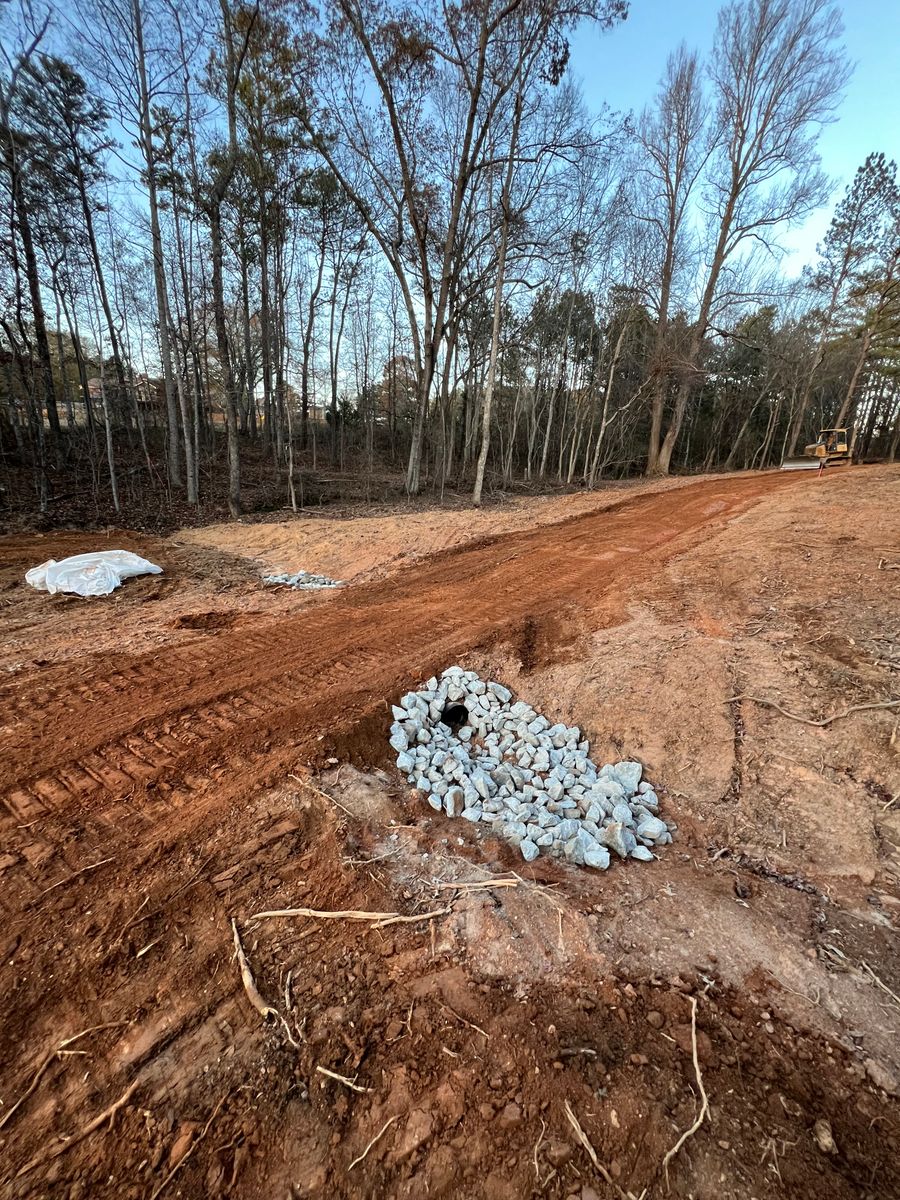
pixel 342 1079
pixel 388 1123
pixel 704 1107
pixel 379 919
pixel 806 720
pixel 75 1138
pixel 194 1144
pixel 48 1059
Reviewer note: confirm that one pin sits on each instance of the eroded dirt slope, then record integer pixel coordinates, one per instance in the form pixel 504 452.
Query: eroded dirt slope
pixel 154 791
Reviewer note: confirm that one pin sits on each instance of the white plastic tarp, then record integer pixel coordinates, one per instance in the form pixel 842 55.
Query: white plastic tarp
pixel 89 574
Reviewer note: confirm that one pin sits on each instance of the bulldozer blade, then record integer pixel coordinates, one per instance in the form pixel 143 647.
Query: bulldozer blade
pixel 801 464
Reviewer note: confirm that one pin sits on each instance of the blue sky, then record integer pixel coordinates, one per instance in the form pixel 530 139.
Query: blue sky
pixel 622 68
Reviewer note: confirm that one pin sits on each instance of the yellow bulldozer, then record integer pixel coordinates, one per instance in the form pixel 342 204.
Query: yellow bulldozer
pixel 831 448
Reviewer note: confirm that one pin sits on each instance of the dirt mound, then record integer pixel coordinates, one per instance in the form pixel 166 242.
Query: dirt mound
pixel 375 547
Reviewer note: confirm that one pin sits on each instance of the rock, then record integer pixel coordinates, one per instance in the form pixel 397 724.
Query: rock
pixel 614 837
pixel 824 1138
pixel 405 761
pixel 655 1019
pixel 472 814
pixel 399 741
pixel 483 784
pixel 623 814
pixel 642 854
pixel 510 1117
pixel 629 775
pixel 597 857
pixel 529 849
pixel 454 800
pixel 515 832
pixel 182 1143
pixel 607 789
pixel 681 1035
pixel 651 828
pixel 881 1076
pixel 558 1153
pixel 419 1128
pixel 567 829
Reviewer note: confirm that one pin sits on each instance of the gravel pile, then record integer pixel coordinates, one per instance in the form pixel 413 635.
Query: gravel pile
pixel 304 580
pixel 473 753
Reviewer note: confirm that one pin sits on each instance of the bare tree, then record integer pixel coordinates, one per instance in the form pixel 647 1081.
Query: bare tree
pixel 777 71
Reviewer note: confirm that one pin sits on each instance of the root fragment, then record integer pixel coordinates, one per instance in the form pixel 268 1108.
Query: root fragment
pixel 75 875
pixel 592 1154
pixel 704 1107
pixel 193 1146
pixel 342 1079
pixel 378 919
pixel 67 1144
pixel 463 885
pixel 471 1024
pixel 807 720
pixel 48 1059
pixel 265 1010
pixel 388 1123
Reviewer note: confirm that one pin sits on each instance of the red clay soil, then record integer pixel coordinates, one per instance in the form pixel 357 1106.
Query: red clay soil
pixel 150 797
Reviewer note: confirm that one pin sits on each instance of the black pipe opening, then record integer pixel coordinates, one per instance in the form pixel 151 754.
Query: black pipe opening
pixel 455 715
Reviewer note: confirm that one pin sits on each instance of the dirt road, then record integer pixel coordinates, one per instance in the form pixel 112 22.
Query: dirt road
pixel 148 796
pixel 144 724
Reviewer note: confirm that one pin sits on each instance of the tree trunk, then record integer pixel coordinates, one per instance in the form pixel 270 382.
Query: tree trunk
pixel 45 392
pixel 173 458
pixel 498 301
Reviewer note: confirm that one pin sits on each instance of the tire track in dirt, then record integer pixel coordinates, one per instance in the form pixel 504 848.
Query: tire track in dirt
pixel 207 722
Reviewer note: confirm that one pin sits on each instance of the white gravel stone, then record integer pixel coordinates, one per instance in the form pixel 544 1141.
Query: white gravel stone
pixel 629 775
pixel 598 858
pixel 651 828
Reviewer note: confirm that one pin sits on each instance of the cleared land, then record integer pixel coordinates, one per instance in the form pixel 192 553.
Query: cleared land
pixel 158 752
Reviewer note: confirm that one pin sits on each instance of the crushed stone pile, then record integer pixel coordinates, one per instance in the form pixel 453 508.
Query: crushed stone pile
pixel 303 580
pixel 474 753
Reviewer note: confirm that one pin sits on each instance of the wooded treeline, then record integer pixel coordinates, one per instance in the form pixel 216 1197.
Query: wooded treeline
pixel 375 234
